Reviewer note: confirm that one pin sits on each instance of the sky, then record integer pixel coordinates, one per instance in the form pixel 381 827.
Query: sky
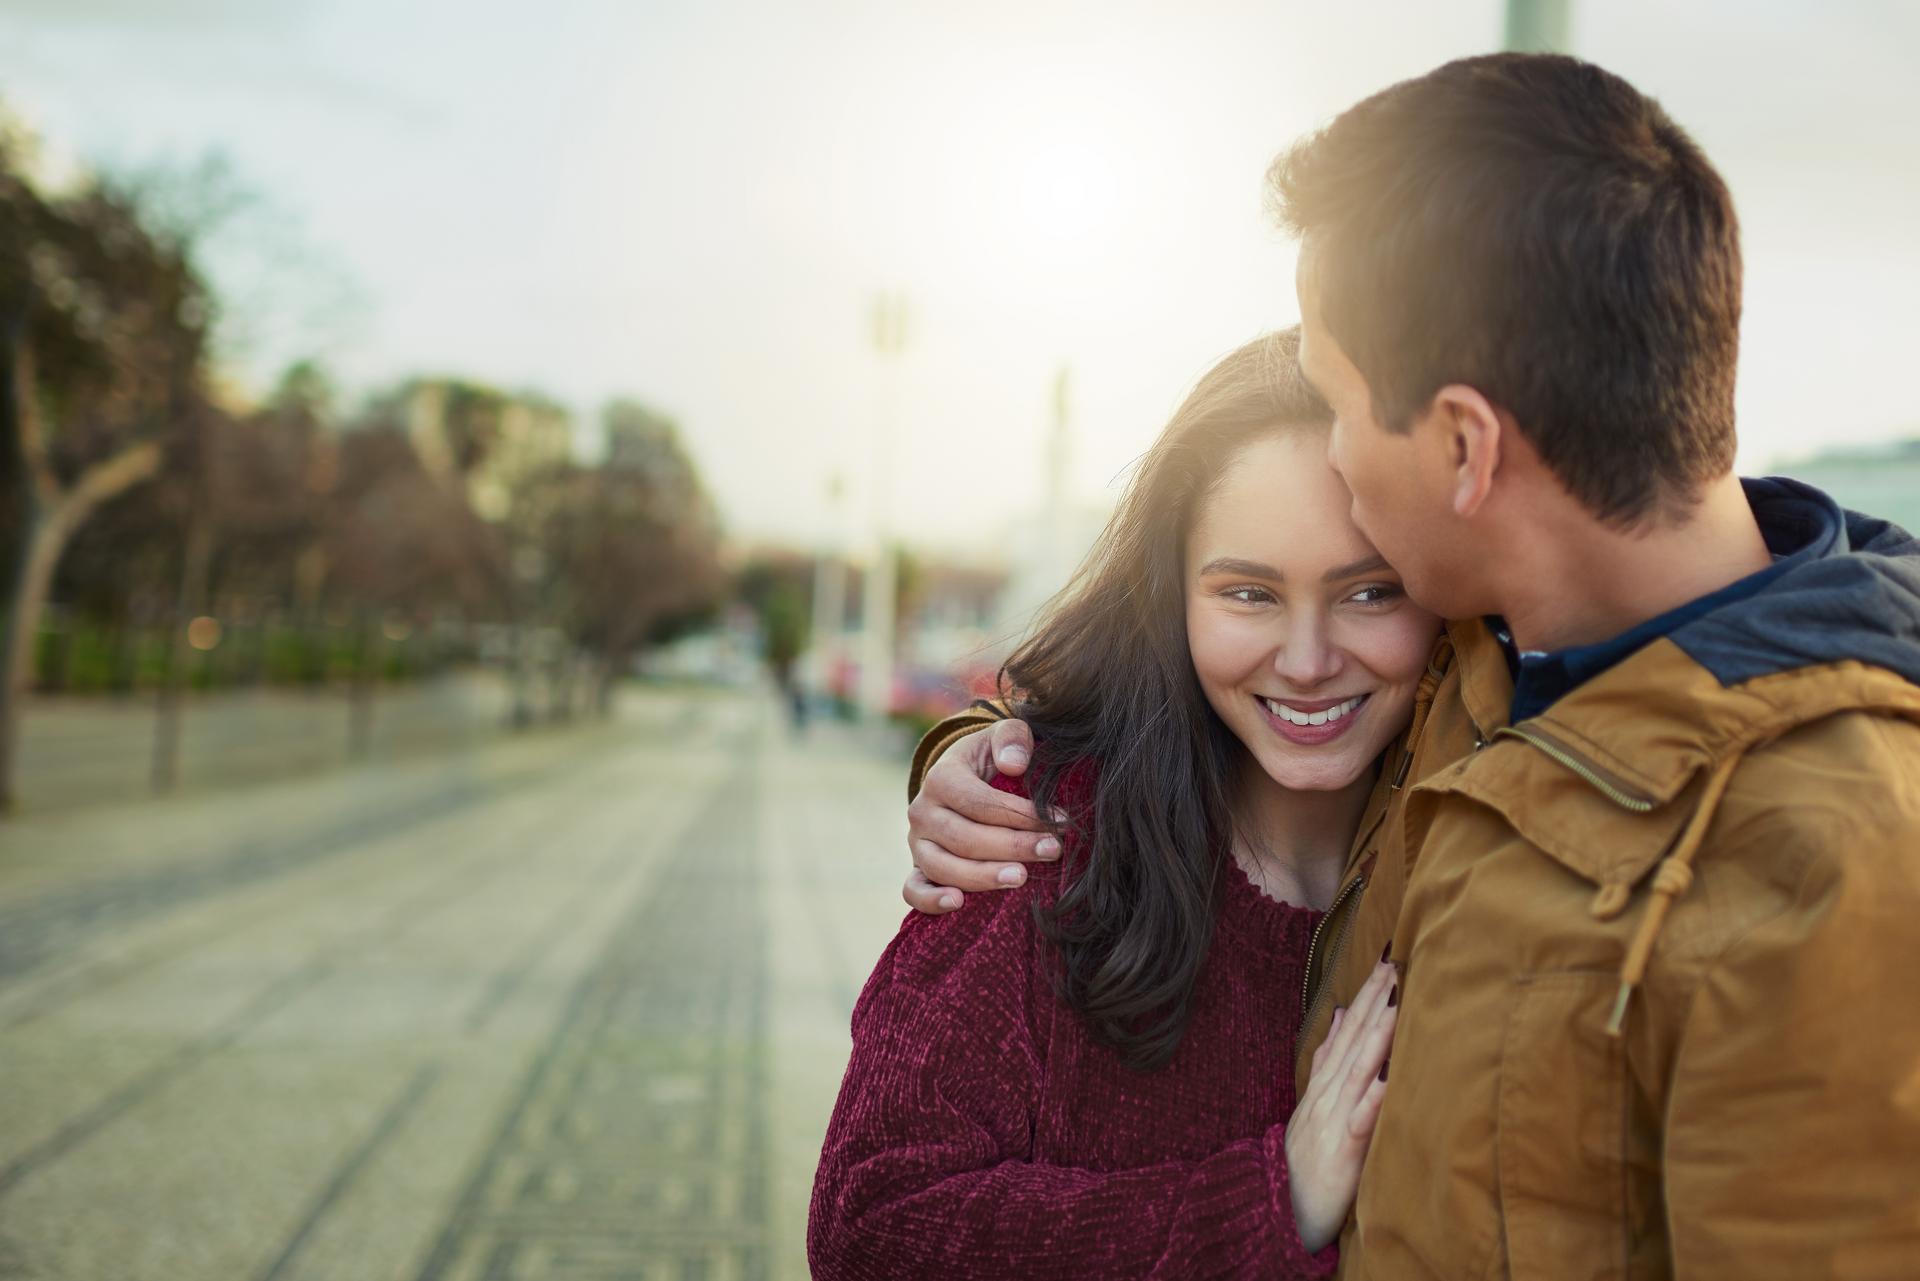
pixel 695 204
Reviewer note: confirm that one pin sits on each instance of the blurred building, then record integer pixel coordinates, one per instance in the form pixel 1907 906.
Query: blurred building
pixel 1883 480
pixel 638 439
pixel 1053 541
pixel 493 439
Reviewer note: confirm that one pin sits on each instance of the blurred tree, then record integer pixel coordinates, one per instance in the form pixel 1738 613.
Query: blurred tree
pixel 103 323
pixel 774 584
pixel 137 498
pixel 632 545
pixel 401 544
pixel 783 625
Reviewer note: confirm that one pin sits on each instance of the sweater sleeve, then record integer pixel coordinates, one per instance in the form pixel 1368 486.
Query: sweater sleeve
pixel 925 1170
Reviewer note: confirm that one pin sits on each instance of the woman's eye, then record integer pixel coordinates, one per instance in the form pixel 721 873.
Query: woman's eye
pixel 1377 594
pixel 1249 595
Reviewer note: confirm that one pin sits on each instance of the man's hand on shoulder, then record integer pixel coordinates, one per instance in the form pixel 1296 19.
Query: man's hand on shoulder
pixel 966 835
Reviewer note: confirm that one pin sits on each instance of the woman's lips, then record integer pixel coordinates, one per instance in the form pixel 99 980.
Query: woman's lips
pixel 1312 735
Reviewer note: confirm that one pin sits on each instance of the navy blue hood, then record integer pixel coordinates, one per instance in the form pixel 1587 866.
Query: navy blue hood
pixel 1848 587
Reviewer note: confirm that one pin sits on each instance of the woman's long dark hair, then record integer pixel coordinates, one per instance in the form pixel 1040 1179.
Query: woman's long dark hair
pixel 1107 678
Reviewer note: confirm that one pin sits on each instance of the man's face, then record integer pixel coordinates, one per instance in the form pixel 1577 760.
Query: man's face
pixel 1399 480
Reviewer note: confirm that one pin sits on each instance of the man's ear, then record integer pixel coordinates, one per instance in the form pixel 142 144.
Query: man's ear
pixel 1472 433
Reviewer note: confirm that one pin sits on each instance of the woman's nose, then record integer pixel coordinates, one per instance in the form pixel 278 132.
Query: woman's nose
pixel 1308 656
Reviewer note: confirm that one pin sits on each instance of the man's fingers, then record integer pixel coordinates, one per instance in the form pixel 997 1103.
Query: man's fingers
pixel 965 838
pixel 924 896
pixel 1012 743
pixel 965 874
pixel 980 801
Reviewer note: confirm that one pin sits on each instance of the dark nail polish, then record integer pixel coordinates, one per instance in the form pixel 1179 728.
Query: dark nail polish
pixel 1383 1068
pixel 1393 997
pixel 1386 952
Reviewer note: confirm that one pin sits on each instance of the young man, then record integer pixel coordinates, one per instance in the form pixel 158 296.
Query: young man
pixel 1653 868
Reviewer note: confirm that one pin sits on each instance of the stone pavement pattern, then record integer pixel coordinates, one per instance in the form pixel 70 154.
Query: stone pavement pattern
pixel 573 1005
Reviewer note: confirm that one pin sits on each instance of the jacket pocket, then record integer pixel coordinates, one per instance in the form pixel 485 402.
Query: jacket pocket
pixel 1562 1131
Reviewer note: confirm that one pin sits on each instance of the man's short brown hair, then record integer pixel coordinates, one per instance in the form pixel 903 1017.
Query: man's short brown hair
pixel 1536 228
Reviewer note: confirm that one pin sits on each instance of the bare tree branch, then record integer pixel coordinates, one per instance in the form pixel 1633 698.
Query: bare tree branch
pixel 32 429
pixel 109 478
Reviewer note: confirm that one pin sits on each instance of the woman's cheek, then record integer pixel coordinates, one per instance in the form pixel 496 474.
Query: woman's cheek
pixel 1224 648
pixel 1396 646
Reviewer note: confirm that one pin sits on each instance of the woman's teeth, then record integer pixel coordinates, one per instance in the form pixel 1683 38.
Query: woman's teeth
pixel 1292 717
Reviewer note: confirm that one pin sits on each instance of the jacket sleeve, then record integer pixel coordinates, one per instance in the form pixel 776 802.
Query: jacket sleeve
pixel 925 1171
pixel 1793 1139
pixel 948 732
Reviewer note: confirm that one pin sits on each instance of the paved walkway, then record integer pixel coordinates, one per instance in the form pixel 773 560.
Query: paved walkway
pixel 571 1005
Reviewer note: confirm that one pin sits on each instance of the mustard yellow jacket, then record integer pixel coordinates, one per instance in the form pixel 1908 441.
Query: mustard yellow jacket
pixel 1660 944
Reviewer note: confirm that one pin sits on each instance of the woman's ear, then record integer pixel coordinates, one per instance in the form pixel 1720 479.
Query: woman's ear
pixel 1472 435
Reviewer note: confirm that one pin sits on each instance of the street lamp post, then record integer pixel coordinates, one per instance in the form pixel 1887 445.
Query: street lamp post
pixel 1538 26
pixel 877 592
pixel 829 596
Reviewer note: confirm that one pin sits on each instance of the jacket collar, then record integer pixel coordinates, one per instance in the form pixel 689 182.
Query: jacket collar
pixel 1486 682
pixel 1604 780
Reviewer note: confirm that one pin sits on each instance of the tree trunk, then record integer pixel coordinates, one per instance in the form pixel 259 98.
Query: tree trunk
pixel 522 667
pixel 566 683
pixel 366 676
pixel 612 667
pixel 48 515
pixel 49 524
pixel 43 539
pixel 190 603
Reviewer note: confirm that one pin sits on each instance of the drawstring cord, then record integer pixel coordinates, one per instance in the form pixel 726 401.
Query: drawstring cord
pixel 1670 880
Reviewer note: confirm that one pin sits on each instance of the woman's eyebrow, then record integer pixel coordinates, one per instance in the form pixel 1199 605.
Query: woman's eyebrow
pixel 1259 569
pixel 1234 565
pixel 1368 565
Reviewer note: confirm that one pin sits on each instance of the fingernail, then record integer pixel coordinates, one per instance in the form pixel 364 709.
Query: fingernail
pixel 1047 848
pixel 1013 756
pixel 950 901
pixel 1059 816
pixel 1393 997
pixel 1383 1068
pixel 1386 952
pixel 1012 875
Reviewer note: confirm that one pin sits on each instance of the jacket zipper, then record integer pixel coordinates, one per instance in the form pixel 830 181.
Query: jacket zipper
pixel 1310 1000
pixel 1606 787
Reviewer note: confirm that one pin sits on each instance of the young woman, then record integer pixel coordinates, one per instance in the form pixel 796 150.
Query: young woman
pixel 1092 1075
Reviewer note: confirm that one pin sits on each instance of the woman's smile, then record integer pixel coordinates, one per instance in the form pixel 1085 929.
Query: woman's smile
pixel 1311 722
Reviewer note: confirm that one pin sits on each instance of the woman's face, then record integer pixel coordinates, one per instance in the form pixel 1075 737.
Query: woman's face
pixel 1302 637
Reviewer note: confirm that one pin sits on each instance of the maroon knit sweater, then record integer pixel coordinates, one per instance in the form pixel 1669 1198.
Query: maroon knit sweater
pixel 982 1133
